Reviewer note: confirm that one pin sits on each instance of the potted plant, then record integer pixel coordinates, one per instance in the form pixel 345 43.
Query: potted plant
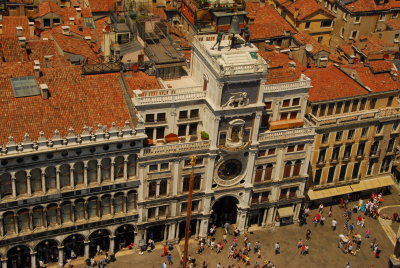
pixel 204 135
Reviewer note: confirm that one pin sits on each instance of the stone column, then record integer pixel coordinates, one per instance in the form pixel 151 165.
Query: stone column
pixel 61 256
pixel 171 233
pixel 175 177
pixel 86 254
pixel 33 259
pixel 43 180
pixel 112 166
pixel 86 212
pixel 197 227
pixel 209 173
pixel 45 217
pixel 166 232
pixel 4 263
pixel 99 171
pixel 250 163
pixel 71 176
pixel 297 211
pixel 279 164
pixel 85 173
pixel 126 167
pixel 112 244
pixel 157 189
pixel 30 220
pixel 139 236
pixel 242 220
pixel 58 178
pixel 203 228
pixel 141 178
pixel 28 182
pixel 270 216
pixel 263 223
pixel 13 186
pixel 73 211
pixel 16 223
pixel 1 226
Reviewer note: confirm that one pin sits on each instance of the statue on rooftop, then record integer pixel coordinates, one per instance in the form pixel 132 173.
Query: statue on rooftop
pixel 219 39
pixel 247 35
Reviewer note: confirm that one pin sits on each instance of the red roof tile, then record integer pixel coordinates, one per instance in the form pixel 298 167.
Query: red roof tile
pixel 374 46
pixel 142 81
pixel 280 69
pixel 47 7
pixel 370 5
pixel 305 8
pixel 330 83
pixel 393 24
pixel 102 5
pixel 267 22
pixel 10 24
pixel 75 101
pixel 304 38
pixel 379 66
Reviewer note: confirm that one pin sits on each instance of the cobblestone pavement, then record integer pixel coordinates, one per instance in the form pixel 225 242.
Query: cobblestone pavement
pixel 324 251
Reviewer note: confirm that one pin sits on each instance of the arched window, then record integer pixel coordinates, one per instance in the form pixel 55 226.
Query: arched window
pixel 52 218
pixel 297 167
pixel 268 172
pixel 105 169
pixel 132 166
pixel 5 185
pixel 23 220
pixel 78 173
pixel 79 210
pixel 36 180
pixel 21 183
pixel 131 202
pixel 93 210
pixel 287 170
pixel 9 223
pixel 92 171
pixel 66 212
pixel 50 178
pixel 119 203
pixel 37 217
pixel 119 167
pixel 64 176
pixel 259 171
pixel 105 205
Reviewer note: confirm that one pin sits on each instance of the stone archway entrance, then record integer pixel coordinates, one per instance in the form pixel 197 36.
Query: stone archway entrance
pixel 74 243
pixel 47 251
pixel 224 210
pixel 19 257
pixel 99 240
pixel 124 236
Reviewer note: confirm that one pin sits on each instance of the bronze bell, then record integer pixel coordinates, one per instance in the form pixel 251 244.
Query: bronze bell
pixel 234 27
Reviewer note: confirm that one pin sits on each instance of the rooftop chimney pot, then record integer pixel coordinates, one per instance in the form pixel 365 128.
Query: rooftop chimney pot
pixel 37 71
pixel 19 31
pixel 22 41
pixel 44 91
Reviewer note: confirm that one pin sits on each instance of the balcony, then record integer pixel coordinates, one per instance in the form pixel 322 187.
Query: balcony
pixel 171 95
pixel 286 134
pixel 355 116
pixel 304 82
pixel 176 148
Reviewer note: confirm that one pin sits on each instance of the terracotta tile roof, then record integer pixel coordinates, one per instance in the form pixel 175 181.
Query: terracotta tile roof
pixel 267 22
pixel 372 45
pixel 141 80
pixel 102 5
pixel 379 66
pixel 370 5
pixel 158 12
pixel 176 34
pixel 10 24
pixel 75 101
pixel 377 82
pixel 10 49
pixel 280 67
pixel 330 83
pixel 347 49
pixel 47 7
pixel 303 38
pixel 20 1
pixel 305 8
pixel 393 24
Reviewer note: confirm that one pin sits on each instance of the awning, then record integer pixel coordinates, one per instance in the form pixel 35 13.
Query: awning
pixel 285 212
pixel 373 183
pixel 341 190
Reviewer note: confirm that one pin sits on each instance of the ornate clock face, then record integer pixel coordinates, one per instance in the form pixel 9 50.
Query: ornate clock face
pixel 229 169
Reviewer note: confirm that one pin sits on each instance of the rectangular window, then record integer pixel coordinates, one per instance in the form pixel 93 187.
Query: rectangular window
pixel 362 104
pixel 314 109
pixel 342 175
pixel 335 153
pixel 331 106
pixel 360 149
pixel 283 194
pixel 296 102
pixel 389 101
pixel 162 211
pixel 386 164
pixel 357 19
pixel 300 147
pixel 56 21
pixel 339 135
pixel 364 132
pixel 390 146
pixel 372 103
pixel 255 198
pixel 342 32
pixel 164 166
pixel 193 129
pixel 182 130
pixel 395 14
pixel 395 126
pixel 149 118
pixel 194 113
pixel 317 177
pixel 325 138
pixel 160 132
pixel 320 39
pixel 151 213
pixel 149 132
pixel 374 148
pixel 345 15
pixel 271 151
pixel 265 196
pixel 322 110
pixel 382 17
pixel 261 153
pixel 326 23
pixel 350 134
pixel 321 156
pixel 353 34
pixel 285 103
pixel 307 26
pixel 292 192
pixel 355 106
pixel 267 105
pixel 161 117
pixel 346 107
pixel 153 168
pixel 379 129
pixel 264 120
pixel 347 151
pixel 183 114
pixel 152 189
pixel 356 169
pixel 163 187
pixel 370 167
pixel 284 116
pixel 290 148
pixel 331 174
pixel 293 115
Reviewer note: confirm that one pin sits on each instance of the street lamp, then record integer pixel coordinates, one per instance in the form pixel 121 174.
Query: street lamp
pixel 193 159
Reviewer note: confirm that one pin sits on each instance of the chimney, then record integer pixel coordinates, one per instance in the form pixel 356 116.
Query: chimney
pixel 19 31
pixel 65 30
pixel 78 12
pixel 36 62
pixel 394 76
pixel 292 64
pixel 22 41
pixel 47 61
pixel 31 29
pixel 36 68
pixel 72 21
pixel 88 39
pixel 1 28
pixel 44 91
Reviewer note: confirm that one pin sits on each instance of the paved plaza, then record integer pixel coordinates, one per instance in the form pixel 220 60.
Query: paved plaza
pixel 324 251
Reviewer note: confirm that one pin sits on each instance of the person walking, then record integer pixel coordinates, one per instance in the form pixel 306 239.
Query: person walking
pixel 334 224
pixel 351 228
pixel 308 234
pixel 169 259
pixel 227 229
pixel 277 248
